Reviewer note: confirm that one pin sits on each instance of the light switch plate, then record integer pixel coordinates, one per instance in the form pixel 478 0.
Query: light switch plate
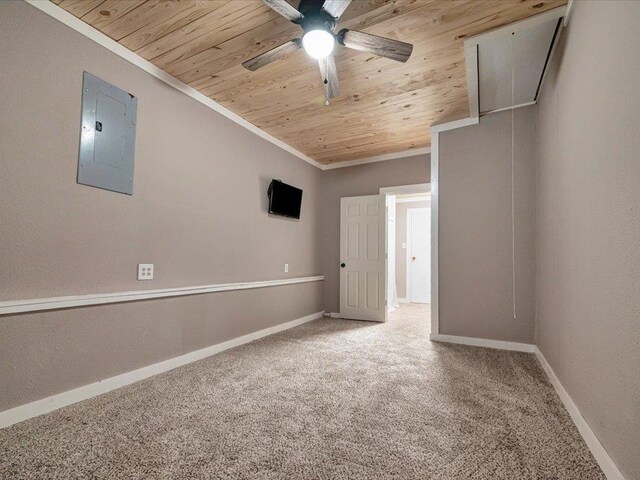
pixel 286 268
pixel 145 271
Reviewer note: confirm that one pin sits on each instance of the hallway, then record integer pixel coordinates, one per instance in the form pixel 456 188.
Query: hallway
pixel 416 314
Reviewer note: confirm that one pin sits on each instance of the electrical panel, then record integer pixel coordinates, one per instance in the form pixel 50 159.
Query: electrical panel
pixel 107 136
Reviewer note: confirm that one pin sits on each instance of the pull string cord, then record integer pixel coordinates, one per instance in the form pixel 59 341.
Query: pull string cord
pixel 513 182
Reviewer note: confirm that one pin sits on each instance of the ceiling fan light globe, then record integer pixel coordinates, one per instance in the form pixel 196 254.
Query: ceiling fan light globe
pixel 318 43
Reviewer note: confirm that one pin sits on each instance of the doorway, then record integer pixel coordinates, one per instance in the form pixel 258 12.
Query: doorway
pixel 408 246
pixel 385 252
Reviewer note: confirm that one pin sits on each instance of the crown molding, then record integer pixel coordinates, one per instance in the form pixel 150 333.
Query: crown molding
pixel 103 40
pixel 378 158
pixel 100 38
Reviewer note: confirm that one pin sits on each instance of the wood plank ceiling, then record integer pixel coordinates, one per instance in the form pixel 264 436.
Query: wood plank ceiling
pixel 384 106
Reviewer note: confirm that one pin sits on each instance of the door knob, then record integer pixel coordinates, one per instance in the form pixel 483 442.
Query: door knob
pixel 413 259
pixel 343 265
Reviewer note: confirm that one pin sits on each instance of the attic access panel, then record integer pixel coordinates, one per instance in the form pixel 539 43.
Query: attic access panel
pixel 506 65
pixel 107 136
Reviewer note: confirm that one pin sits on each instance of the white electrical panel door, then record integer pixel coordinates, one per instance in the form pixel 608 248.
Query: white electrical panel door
pixel 107 137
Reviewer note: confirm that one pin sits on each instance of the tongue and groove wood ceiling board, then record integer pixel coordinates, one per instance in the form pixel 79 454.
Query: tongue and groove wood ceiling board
pixel 384 106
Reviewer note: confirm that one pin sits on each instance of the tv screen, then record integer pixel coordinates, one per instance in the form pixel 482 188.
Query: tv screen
pixel 284 200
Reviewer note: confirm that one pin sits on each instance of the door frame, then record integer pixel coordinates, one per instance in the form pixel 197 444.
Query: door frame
pixel 407 253
pixel 389 252
pixel 422 188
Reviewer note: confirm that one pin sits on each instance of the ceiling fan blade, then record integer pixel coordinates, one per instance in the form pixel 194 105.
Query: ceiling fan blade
pixel 329 77
pixel 385 47
pixel 335 8
pixel 272 55
pixel 285 9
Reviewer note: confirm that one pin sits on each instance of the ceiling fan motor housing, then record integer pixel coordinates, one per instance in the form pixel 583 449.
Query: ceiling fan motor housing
pixel 318 20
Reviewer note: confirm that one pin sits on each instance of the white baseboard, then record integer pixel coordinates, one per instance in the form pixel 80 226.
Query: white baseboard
pixel 46 405
pixel 600 454
pixel 483 342
pixel 403 300
pixel 597 450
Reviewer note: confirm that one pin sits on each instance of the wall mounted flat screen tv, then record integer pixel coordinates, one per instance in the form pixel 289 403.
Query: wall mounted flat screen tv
pixel 284 200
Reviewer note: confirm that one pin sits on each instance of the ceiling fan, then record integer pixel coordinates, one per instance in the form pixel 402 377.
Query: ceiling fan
pixel 318 19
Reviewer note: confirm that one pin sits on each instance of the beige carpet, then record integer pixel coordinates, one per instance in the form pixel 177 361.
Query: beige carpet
pixel 332 399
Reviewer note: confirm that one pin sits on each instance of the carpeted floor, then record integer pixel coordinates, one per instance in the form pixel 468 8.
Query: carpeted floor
pixel 331 399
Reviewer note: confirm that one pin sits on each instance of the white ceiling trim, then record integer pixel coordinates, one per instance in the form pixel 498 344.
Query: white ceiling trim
pixel 100 38
pixel 567 13
pixel 378 158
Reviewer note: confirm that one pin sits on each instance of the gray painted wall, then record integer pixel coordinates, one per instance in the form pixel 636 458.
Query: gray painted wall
pixel 475 240
pixel 355 181
pixel 198 213
pixel 51 352
pixel 588 222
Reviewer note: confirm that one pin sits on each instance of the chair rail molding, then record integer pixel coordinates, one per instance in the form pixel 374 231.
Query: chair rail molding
pixel 55 303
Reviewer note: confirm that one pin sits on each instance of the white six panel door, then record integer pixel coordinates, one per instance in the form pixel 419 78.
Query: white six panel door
pixel 362 258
